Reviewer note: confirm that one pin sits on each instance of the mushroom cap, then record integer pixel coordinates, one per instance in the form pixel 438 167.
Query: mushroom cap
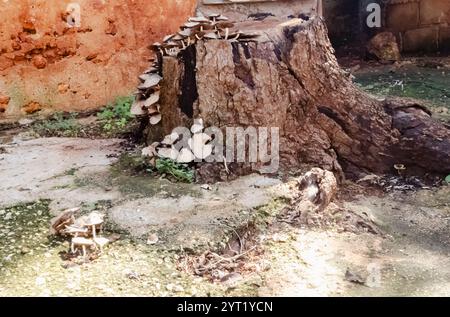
pixel 221 18
pixel 75 229
pixel 213 15
pixel 152 81
pixel 199 19
pixel 185 33
pixel 185 156
pixel 211 36
pixel 156 45
pixel 190 24
pixel 170 153
pixel 154 98
pixel 170 139
pixel 224 24
pixel 151 70
pixel 155 119
pixel 399 166
pixel 168 37
pixel 170 44
pixel 136 108
pixel 101 241
pixel 179 37
pixel 82 241
pixel 153 109
pixel 94 218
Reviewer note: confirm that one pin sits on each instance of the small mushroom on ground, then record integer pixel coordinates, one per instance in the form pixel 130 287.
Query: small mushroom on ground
pixel 81 242
pixel 155 119
pixel 101 242
pixel 59 223
pixel 400 168
pixel 93 221
pixel 76 231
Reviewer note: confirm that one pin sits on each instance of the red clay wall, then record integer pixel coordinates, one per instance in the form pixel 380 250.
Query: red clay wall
pixel 44 64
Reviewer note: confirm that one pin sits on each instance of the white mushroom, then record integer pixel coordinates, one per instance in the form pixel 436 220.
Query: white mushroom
pixel 185 156
pixel 101 242
pixel 154 98
pixel 155 119
pixel 152 81
pixel 197 126
pixel 150 150
pixel 170 139
pixel 83 242
pixel 168 37
pixel 153 110
pixel 170 153
pixel 136 108
pixel 198 145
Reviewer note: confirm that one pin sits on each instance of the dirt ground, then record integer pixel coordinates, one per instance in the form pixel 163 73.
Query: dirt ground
pixel 41 177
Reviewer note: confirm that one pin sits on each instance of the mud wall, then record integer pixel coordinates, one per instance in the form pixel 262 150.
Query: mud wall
pixel 241 11
pixel 77 55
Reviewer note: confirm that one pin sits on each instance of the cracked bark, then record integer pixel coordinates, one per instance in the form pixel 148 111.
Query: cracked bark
pixel 290 79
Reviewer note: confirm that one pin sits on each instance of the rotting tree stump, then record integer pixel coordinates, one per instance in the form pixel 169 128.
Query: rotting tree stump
pixel 289 78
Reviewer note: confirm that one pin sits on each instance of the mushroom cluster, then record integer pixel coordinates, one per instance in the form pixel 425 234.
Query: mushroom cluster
pixel 210 27
pixel 83 230
pixel 198 146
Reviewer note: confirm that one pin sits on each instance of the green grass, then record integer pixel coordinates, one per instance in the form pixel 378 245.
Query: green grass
pixel 179 171
pixel 115 117
pixel 59 125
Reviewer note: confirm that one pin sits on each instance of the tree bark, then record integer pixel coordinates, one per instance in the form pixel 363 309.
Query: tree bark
pixel 289 78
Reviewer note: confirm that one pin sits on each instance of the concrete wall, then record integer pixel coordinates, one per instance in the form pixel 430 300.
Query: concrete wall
pixel 421 25
pixel 47 65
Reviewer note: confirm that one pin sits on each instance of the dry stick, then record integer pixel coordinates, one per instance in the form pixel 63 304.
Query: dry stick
pixel 222 259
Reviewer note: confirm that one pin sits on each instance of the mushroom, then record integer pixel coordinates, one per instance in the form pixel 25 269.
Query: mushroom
pixel 136 108
pixel 154 98
pixel 59 223
pixel 185 156
pixel 170 139
pixel 212 36
pixel 197 126
pixel 400 168
pixel 221 18
pixel 152 81
pixel 101 242
pixel 94 220
pixel 153 109
pixel 83 242
pixel 198 145
pixel 200 19
pixel 170 153
pixel 167 38
pixel 150 150
pixel 76 231
pixel 155 119
pixel 190 25
pixel 151 70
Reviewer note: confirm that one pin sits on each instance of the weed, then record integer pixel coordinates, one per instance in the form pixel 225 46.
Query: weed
pixel 59 125
pixel 181 172
pixel 115 117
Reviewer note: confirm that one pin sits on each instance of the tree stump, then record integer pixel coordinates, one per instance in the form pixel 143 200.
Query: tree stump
pixel 289 78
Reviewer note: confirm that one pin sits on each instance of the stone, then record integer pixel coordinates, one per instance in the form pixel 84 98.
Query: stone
pixel 4 101
pixel 39 61
pixel 384 47
pixel 421 40
pixel 32 107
